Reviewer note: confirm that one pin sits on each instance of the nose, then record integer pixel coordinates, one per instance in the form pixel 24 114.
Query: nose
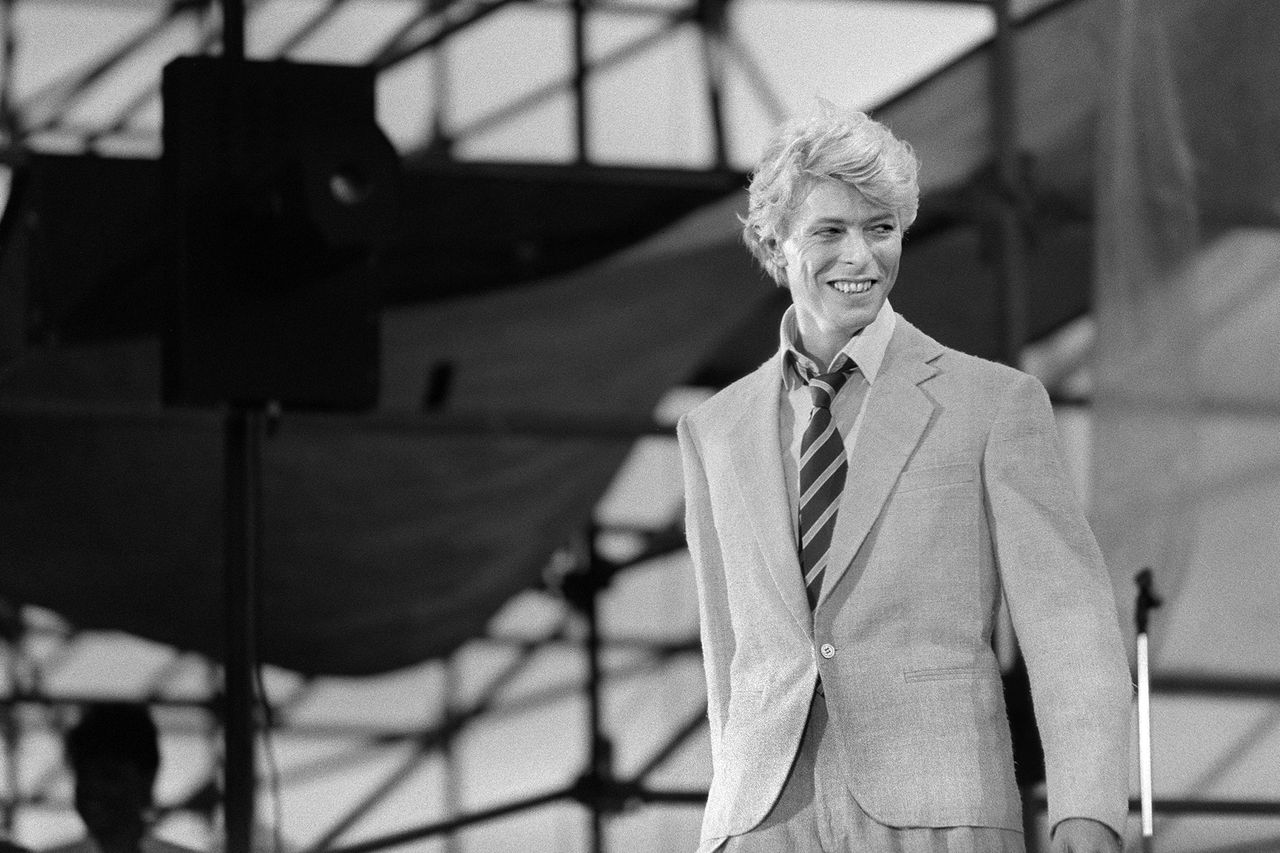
pixel 854 249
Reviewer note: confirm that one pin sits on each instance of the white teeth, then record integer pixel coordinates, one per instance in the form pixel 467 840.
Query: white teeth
pixel 852 286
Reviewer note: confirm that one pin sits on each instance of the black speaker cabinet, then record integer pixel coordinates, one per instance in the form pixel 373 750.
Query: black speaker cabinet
pixel 279 188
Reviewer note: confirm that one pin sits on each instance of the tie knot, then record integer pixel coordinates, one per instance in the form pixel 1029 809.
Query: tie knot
pixel 824 387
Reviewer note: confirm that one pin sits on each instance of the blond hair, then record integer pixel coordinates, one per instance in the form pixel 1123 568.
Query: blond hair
pixel 832 142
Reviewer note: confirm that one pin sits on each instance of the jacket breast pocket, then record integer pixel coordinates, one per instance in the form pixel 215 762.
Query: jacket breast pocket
pixel 928 534
pixel 933 476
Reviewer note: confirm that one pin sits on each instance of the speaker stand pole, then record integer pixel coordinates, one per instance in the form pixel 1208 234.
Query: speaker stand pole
pixel 242 448
pixel 1147 601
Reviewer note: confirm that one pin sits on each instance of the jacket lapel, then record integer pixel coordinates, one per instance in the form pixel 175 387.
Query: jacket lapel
pixel 757 468
pixel 896 415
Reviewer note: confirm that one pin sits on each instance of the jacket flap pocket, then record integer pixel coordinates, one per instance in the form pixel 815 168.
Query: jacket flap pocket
pixel 947 673
pixel 936 475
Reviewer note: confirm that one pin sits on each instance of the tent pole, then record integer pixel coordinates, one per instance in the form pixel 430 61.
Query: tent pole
pixel 581 68
pixel 1010 193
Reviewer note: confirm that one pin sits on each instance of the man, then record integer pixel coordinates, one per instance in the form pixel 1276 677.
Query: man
pixel 856 509
pixel 114 753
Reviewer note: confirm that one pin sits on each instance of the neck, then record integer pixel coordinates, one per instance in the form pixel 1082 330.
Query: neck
pixel 822 348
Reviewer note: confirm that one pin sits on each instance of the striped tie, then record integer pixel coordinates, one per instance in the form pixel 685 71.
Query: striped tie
pixel 822 473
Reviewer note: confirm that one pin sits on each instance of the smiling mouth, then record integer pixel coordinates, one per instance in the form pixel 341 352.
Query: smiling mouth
pixel 847 286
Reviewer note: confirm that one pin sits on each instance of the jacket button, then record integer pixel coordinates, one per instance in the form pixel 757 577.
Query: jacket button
pixel 828 650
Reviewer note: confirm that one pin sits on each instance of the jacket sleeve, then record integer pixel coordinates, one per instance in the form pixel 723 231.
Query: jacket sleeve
pixel 1063 609
pixel 708 568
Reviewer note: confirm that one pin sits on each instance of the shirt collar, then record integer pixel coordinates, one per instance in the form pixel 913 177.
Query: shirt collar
pixel 866 349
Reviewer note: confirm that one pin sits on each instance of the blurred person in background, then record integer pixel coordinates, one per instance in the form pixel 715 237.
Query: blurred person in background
pixel 114 754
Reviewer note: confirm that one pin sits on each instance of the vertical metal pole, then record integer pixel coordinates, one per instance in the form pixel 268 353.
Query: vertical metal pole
pixel 9 734
pixel 440 88
pixel 243 505
pixel 601 756
pixel 8 48
pixel 1011 272
pixel 581 114
pixel 449 754
pixel 245 426
pixel 1146 601
pixel 233 29
pixel 711 21
pixel 1144 741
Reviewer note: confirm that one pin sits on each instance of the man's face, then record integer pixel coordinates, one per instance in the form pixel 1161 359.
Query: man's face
pixel 841 260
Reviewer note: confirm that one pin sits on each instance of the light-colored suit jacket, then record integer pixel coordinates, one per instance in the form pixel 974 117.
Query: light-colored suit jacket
pixel 956 494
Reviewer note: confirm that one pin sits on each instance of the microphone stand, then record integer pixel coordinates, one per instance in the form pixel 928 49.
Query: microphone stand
pixel 1146 601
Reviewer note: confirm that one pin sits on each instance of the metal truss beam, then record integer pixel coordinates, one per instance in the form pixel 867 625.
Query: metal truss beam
pixel 395 53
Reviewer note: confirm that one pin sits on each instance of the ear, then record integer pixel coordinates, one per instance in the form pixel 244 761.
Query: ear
pixel 776 256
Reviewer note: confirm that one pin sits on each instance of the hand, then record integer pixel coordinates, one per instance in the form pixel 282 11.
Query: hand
pixel 1084 835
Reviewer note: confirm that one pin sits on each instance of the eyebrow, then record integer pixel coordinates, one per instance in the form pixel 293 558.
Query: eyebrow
pixel 886 216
